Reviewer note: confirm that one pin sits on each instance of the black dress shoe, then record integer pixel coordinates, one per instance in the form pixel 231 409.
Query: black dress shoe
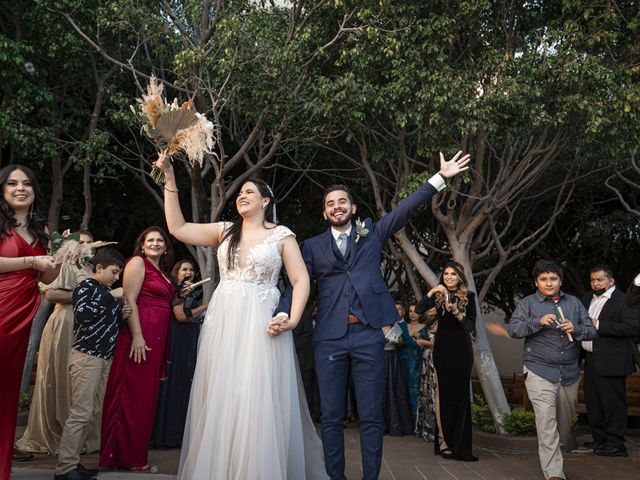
pixel 20 456
pixel 75 474
pixel 88 471
pixel 594 445
pixel 611 452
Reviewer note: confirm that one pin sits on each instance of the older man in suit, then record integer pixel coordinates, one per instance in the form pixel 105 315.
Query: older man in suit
pixel 354 304
pixel 609 360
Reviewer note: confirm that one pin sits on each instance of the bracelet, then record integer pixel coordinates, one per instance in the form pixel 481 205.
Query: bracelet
pixel 172 191
pixel 33 262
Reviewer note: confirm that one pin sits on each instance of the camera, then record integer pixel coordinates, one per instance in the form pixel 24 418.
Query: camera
pixel 452 297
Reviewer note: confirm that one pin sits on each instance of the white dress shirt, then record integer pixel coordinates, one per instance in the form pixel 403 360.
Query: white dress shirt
pixel 595 308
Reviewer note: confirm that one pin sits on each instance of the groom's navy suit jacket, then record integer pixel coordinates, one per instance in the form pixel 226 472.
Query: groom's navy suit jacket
pixel 358 270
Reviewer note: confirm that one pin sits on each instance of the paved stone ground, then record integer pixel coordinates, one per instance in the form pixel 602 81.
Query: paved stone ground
pixel 408 458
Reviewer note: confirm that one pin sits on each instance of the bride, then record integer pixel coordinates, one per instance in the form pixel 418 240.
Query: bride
pixel 247 417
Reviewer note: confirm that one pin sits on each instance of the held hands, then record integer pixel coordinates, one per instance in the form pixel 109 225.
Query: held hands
pixel 278 325
pixel 454 166
pixel 139 349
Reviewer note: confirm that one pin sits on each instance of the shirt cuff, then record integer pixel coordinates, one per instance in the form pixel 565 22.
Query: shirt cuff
pixel 636 281
pixel 438 183
pixel 279 314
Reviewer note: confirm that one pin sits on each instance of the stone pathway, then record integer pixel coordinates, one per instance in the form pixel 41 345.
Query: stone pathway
pixel 409 458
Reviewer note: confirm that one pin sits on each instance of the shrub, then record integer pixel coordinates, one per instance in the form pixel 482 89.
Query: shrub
pixel 481 415
pixel 24 402
pixel 520 422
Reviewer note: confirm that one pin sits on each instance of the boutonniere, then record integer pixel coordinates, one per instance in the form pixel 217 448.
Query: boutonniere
pixel 361 230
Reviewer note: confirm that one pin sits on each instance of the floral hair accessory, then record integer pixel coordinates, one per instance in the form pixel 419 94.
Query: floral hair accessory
pixel 361 230
pixel 67 249
pixel 173 127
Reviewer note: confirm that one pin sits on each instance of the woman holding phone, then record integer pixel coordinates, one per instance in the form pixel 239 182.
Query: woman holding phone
pixel 453 359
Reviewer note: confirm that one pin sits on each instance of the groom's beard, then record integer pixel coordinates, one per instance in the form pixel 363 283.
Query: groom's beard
pixel 346 218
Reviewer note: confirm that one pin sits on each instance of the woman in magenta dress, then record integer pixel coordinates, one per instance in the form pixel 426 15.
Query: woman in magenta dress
pixel 132 389
pixel 23 262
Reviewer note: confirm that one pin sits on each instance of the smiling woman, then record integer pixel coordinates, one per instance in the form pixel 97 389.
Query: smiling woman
pixel 134 381
pixel 247 414
pixel 23 262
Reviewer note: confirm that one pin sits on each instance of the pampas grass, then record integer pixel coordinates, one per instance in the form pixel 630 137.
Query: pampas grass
pixel 174 128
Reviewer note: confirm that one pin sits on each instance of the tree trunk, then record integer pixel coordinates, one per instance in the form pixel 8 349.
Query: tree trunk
pixel 482 354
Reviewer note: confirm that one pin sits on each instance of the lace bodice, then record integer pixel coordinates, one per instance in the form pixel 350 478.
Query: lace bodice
pixel 263 262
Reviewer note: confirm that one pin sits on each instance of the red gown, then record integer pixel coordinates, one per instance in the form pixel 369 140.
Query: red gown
pixel 19 301
pixel 132 389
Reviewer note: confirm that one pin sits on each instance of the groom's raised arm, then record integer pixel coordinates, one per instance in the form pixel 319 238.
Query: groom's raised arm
pixel 402 213
pixel 400 216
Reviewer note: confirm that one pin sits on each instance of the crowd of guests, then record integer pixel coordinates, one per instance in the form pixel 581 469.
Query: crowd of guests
pixel 116 364
pixel 101 380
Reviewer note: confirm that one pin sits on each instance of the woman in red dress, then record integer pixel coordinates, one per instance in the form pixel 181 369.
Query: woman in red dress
pixel 23 262
pixel 134 381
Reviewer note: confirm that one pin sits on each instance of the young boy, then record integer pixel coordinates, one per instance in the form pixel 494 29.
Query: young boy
pixel 98 315
pixel 552 324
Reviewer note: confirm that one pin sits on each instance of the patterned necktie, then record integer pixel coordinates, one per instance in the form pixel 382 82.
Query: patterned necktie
pixel 342 246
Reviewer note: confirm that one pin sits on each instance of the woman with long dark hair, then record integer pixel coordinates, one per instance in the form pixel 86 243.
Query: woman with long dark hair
pixel 139 359
pixel 23 263
pixel 453 360
pixel 248 417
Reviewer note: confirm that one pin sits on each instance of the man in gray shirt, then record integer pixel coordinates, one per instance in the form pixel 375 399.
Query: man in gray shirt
pixel 552 324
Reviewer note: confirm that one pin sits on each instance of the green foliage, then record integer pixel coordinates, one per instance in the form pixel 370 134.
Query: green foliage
pixel 481 415
pixel 520 422
pixel 25 401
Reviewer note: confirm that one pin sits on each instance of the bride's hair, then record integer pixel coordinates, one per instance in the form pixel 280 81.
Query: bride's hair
pixel 234 233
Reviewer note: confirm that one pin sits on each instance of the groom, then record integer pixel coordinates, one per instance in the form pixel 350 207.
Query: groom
pixel 353 306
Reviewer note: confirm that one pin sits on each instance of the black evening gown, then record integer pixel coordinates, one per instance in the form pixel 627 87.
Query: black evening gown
pixel 453 361
pixel 173 399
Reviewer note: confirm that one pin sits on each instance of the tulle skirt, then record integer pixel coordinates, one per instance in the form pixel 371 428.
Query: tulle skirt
pixel 248 417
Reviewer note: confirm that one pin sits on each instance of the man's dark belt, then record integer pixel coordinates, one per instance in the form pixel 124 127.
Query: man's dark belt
pixel 353 319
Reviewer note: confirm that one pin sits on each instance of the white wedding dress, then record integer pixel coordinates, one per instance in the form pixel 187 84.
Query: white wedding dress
pixel 248 417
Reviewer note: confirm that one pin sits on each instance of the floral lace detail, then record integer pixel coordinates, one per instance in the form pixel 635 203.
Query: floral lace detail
pixel 262 267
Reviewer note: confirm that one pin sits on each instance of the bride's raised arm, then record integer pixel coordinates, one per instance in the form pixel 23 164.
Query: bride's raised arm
pixel 204 234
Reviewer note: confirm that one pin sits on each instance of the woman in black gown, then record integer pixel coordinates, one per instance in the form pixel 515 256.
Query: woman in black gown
pixel 453 360
pixel 173 398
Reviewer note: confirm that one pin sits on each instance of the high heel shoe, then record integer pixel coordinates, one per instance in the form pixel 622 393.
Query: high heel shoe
pixel 446 453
